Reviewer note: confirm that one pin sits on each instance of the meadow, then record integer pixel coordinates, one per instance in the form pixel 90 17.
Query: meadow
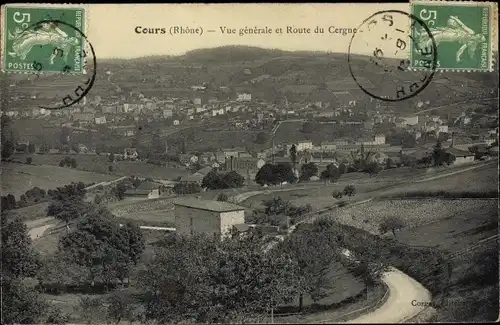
pixel 100 165
pixel 18 178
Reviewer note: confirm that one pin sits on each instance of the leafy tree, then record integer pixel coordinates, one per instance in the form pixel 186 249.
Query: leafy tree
pixel 21 304
pixel 349 190
pixel 212 180
pixel 8 202
pixel 338 195
pixel 342 168
pixel 111 157
pixel 438 154
pixel 73 163
pixel 67 204
pixel 120 189
pixel 76 148
pixel 372 168
pixel 331 173
pixel 29 160
pixel 307 171
pixel 391 223
pixel 266 175
pixel 121 307
pixel 222 197
pixel 62 163
pixel 389 163
pixel 31 148
pixel 261 138
pixel 65 135
pixel 284 173
pixel 233 180
pixel 110 168
pixel 18 257
pixel 92 310
pixel 7 137
pixel 204 279
pixel 293 155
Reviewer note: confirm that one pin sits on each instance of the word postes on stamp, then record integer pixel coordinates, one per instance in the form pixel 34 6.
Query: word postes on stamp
pixel 463 32
pixel 33 37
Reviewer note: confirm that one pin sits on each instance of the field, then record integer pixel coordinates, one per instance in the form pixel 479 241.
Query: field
pixel 416 213
pixel 18 178
pixel 100 164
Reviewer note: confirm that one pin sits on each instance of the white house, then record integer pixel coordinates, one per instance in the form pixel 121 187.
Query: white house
pixel 244 97
pixel 176 122
pixel 218 111
pixel 100 120
pixel 304 145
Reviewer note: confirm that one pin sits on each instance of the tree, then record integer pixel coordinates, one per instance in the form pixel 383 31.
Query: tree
pixel 120 189
pixel 111 157
pixel 349 190
pixel 261 138
pixel 293 155
pixel 338 195
pixel 204 279
pixel 391 223
pixel 31 148
pixel 29 160
pixel 8 202
pixel 121 307
pixel 18 257
pixel 21 304
pixel 372 168
pixel 7 137
pixel 44 149
pixel 186 188
pixel 67 204
pixel 222 197
pixel 212 180
pixel 307 171
pixel 284 173
pixel 342 168
pixel 92 310
pixel 100 245
pixel 76 148
pixel 438 154
pixel 331 173
pixel 266 176
pixel 389 163
pixel 65 135
pixel 73 163
pixel 233 180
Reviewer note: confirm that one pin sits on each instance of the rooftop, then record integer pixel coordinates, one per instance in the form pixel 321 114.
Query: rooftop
pixel 209 205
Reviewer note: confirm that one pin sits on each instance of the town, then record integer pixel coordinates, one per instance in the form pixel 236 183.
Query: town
pixel 240 184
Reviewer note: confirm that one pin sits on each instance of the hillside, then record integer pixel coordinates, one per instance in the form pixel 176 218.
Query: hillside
pixel 268 74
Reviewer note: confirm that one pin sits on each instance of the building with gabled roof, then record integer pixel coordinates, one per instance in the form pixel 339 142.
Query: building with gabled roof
pixel 217 218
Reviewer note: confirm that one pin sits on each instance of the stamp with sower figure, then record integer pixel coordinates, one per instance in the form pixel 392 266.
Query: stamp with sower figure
pixel 463 32
pixel 43 39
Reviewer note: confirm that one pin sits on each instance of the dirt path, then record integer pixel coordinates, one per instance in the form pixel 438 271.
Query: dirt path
pixel 405 295
pixel 37 232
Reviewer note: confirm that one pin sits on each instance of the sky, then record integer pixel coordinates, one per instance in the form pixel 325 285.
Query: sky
pixel 111 27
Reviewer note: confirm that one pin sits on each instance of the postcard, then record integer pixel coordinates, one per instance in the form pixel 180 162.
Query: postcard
pixel 249 163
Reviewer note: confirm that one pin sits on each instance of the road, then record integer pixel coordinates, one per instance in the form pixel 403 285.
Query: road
pixel 37 232
pixel 401 305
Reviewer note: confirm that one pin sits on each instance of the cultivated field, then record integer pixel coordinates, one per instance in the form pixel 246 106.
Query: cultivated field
pixel 100 164
pixel 18 178
pixel 415 213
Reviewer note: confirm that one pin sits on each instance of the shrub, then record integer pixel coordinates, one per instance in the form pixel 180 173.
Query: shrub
pixel 29 160
pixel 222 197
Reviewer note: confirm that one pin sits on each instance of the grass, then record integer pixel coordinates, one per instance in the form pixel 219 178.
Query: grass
pixel 445 194
pixel 18 178
pixel 100 165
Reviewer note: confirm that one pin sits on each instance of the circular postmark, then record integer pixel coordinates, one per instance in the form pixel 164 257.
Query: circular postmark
pixel 386 37
pixel 73 82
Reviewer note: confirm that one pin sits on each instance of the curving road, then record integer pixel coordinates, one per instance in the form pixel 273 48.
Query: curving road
pixel 404 295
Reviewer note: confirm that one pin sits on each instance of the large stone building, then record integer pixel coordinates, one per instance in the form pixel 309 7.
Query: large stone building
pixel 204 216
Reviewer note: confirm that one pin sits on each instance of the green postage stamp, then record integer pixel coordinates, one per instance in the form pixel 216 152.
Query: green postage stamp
pixel 464 34
pixel 48 39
